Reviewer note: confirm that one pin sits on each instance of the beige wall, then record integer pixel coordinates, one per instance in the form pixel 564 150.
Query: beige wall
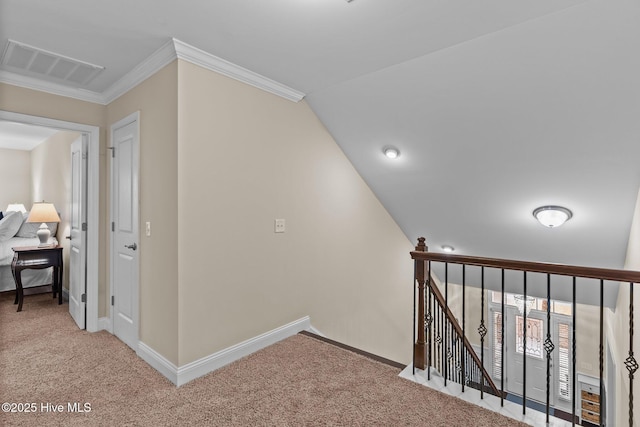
pixel 246 157
pixel 618 326
pixel 156 100
pixel 15 176
pixel 51 182
pixel 27 101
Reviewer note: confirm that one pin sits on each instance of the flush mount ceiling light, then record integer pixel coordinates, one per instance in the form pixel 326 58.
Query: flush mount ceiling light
pixel 447 248
pixel 391 152
pixel 552 216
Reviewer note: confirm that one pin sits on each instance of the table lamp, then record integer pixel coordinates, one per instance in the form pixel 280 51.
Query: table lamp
pixel 15 207
pixel 43 212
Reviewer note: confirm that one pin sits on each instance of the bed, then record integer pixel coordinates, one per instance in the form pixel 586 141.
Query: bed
pixel 15 231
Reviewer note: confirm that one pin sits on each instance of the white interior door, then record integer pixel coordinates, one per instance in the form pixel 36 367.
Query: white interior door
pixel 78 235
pixel 124 226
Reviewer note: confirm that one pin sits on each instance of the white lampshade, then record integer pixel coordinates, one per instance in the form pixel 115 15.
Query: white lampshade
pixel 552 216
pixel 43 212
pixel 15 207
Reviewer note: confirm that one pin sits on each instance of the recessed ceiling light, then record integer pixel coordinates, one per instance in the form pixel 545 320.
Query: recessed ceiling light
pixel 448 248
pixel 391 152
pixel 552 216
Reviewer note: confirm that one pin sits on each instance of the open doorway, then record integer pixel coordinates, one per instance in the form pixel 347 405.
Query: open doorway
pixel 91 135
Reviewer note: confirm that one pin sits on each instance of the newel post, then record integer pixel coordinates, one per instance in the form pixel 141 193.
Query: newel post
pixel 420 348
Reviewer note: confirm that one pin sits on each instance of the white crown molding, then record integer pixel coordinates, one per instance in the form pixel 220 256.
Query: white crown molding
pixel 170 51
pixel 183 374
pixel 154 63
pixel 27 82
pixel 224 67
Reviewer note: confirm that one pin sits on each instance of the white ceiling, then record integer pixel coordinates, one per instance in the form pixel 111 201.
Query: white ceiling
pixel 497 106
pixel 19 136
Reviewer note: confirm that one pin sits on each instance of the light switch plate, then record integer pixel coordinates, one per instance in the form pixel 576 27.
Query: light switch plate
pixel 279 226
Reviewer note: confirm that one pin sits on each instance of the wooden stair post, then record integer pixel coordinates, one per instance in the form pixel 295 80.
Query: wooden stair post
pixel 420 347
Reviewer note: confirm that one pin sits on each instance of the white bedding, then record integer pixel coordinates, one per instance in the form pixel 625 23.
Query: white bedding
pixel 6 253
pixel 29 277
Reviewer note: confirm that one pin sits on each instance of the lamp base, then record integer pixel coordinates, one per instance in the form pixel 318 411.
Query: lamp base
pixel 43 234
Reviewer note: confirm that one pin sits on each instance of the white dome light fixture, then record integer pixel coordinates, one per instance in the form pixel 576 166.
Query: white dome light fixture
pixel 391 152
pixel 552 216
pixel 448 248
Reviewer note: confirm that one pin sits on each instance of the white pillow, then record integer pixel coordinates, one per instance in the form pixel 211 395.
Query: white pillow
pixel 9 225
pixel 30 229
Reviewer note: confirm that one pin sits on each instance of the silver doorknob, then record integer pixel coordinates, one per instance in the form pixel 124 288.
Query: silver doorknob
pixel 133 246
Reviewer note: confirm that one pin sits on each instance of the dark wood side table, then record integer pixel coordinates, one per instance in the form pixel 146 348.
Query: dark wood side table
pixel 37 258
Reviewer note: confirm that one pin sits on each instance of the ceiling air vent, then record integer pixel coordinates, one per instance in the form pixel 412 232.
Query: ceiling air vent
pixel 28 60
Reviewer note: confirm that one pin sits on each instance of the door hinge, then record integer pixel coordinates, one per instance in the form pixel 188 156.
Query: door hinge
pixel 113 226
pixel 113 299
pixel 113 151
pixel 83 298
pixel 84 226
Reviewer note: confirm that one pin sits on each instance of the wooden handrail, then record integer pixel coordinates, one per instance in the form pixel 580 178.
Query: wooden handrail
pixel 454 322
pixel 422 261
pixel 535 267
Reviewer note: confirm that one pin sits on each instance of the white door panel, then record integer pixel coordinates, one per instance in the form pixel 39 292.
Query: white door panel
pixel 78 235
pixel 124 199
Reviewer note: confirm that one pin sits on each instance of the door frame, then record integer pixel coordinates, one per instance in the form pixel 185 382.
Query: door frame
pixel 131 118
pixel 93 193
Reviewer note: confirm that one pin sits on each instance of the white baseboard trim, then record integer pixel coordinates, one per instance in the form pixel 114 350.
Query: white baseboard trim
pixel 183 374
pixel 158 362
pixel 104 323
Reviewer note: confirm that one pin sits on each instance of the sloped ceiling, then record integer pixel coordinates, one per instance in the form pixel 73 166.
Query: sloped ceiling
pixel 497 107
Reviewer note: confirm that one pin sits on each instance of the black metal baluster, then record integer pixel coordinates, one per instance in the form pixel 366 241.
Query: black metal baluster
pixel 429 321
pixel 548 344
pixel 446 325
pixel 524 349
pixel 573 356
pixel 482 330
pixel 630 362
pixel 440 340
pixel 457 356
pixel 601 348
pixel 502 344
pixel 463 317
pixel 452 364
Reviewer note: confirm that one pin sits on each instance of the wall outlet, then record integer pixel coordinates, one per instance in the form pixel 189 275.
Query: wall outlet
pixel 147 230
pixel 279 226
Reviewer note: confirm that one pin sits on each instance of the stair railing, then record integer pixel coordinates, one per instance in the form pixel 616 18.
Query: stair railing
pixel 432 314
pixel 442 343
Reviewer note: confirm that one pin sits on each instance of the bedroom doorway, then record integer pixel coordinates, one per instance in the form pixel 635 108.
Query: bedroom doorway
pixel 91 134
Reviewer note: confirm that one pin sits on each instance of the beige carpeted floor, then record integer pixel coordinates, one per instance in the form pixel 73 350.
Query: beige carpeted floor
pixel 45 359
